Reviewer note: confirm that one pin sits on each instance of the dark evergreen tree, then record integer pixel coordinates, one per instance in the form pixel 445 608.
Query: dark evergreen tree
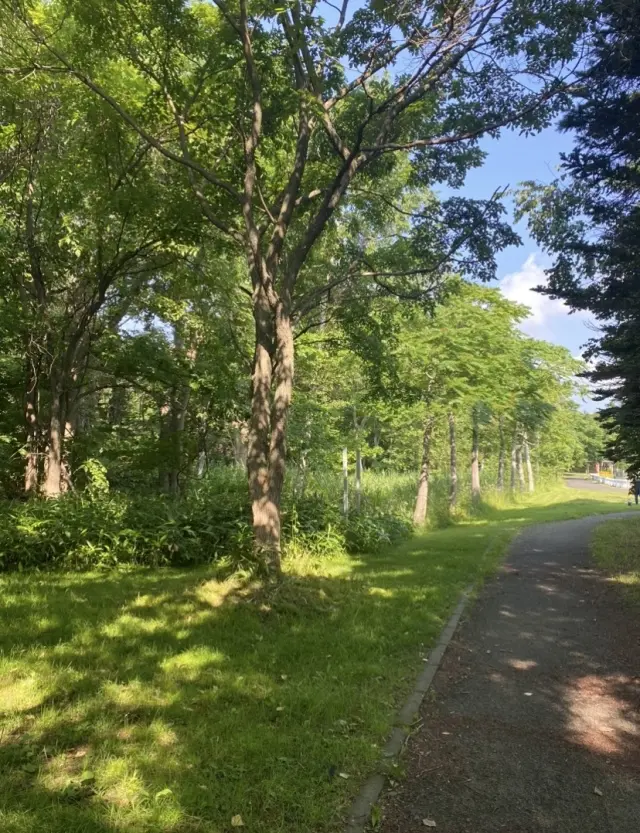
pixel 590 219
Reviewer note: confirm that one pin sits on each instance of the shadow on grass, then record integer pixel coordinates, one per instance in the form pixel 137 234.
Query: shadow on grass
pixel 168 701
pixel 190 701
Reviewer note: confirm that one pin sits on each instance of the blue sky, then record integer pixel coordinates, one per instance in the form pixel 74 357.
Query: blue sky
pixel 511 160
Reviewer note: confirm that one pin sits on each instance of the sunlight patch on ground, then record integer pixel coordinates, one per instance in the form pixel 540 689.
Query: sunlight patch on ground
pixel 189 664
pixel 600 716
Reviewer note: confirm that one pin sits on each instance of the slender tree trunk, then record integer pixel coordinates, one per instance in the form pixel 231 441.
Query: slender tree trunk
pixel 240 444
pixel 422 498
pixel 453 464
pixel 475 457
pixel 51 487
pixel 527 461
pixel 358 480
pixel 345 482
pixel 164 435
pixel 501 455
pixel 31 420
pixel 520 467
pixel 514 461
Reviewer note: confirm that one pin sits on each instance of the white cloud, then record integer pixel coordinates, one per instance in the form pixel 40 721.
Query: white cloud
pixel 519 287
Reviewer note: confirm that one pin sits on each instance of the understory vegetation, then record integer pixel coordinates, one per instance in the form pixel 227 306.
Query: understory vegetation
pixel 177 700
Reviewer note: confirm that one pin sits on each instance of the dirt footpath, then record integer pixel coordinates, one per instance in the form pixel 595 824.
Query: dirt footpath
pixel 533 723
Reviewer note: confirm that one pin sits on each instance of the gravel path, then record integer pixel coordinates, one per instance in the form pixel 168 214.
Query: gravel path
pixel 534 719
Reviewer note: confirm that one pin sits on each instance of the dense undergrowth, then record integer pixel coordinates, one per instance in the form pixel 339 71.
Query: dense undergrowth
pixel 211 522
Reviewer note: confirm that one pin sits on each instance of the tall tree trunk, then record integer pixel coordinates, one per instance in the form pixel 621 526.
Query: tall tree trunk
pixel 475 457
pixel 422 498
pixel 514 460
pixel 527 461
pixel 453 463
pixel 31 420
pixel 52 483
pixel 501 455
pixel 266 457
pixel 520 467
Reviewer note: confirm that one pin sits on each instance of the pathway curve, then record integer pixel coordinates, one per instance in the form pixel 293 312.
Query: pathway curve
pixel 533 723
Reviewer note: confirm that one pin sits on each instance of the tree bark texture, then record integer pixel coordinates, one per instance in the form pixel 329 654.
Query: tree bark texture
pixel 453 464
pixel 272 388
pixel 514 462
pixel 422 497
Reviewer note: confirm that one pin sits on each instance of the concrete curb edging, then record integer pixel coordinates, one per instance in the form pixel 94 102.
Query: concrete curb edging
pixel 360 811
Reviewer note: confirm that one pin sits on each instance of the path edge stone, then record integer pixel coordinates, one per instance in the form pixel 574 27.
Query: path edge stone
pixel 360 810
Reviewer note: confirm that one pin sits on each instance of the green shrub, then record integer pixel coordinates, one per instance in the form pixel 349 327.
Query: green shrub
pixel 102 528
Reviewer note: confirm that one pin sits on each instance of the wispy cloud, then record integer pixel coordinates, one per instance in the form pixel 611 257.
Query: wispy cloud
pixel 519 287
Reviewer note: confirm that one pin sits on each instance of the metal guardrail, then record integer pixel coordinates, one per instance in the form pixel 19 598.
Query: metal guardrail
pixel 618 482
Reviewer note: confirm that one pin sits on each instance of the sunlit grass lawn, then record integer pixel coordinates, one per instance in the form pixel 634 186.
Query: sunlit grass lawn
pixel 173 701
pixel 616 548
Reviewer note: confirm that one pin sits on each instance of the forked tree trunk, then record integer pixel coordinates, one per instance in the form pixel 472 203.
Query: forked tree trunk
pixel 501 455
pixel 453 464
pixel 514 461
pixel 527 461
pixel 520 467
pixel 422 498
pixel 475 458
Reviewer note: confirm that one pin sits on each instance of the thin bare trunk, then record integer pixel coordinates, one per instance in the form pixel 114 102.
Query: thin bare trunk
pixel 501 455
pixel 527 462
pixel 422 497
pixel 163 442
pixel 345 482
pixel 453 464
pixel 358 480
pixel 475 456
pixel 514 461
pixel 239 440
pixel 520 467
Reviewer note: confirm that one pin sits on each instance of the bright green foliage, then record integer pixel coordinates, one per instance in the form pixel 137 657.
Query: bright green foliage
pixel 209 524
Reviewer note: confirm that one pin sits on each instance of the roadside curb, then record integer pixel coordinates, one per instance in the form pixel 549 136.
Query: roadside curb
pixel 360 811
